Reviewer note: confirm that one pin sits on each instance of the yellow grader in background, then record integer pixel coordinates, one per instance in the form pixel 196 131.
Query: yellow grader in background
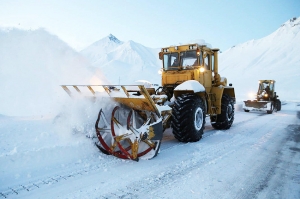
pixel 266 98
pixel 191 89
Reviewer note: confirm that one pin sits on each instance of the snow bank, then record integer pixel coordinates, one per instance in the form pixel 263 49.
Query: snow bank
pixel 33 66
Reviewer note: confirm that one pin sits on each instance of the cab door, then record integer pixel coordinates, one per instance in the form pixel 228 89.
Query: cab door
pixel 207 74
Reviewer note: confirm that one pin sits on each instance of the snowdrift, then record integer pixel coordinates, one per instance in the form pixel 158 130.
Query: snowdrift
pixel 33 66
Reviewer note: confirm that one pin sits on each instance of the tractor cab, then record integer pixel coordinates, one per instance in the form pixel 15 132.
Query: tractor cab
pixel 266 90
pixel 187 57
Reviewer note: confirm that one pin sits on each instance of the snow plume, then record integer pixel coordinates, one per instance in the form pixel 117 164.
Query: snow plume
pixel 78 116
pixel 33 65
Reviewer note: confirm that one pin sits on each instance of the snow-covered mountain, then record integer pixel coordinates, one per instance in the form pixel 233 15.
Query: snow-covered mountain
pixel 97 52
pixel 33 65
pixel 275 56
pixel 124 62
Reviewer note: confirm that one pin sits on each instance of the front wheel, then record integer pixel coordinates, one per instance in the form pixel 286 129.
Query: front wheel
pixel 271 109
pixel 225 119
pixel 188 118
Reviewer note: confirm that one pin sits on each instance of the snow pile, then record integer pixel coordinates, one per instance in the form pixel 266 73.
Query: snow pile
pixel 33 66
pixel 273 57
pixel 200 42
pixel 191 85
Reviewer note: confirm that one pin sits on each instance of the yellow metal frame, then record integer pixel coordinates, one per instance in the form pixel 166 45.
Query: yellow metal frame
pixel 141 102
pixel 214 85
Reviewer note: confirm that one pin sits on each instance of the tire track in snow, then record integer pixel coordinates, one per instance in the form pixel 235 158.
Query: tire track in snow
pixel 179 171
pixel 208 133
pixel 34 185
pixel 48 181
pixel 266 150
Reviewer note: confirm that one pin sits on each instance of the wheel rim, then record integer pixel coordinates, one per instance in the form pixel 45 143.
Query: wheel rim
pixel 229 112
pixel 198 118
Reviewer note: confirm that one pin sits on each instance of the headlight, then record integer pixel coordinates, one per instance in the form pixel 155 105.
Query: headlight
pixel 266 95
pixel 201 70
pixel 252 95
pixel 160 71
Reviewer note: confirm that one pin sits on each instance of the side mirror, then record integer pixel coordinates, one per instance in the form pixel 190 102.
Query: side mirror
pixel 160 55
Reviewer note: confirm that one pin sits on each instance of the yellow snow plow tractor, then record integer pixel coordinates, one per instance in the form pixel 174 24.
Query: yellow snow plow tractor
pixel 191 89
pixel 266 98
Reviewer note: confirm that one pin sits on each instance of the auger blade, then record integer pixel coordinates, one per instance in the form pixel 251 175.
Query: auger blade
pixel 131 135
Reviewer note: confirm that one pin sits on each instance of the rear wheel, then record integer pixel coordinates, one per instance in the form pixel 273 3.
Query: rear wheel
pixel 225 119
pixel 278 105
pixel 246 110
pixel 188 118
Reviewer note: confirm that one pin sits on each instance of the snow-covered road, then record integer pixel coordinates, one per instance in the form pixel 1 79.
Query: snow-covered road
pixel 258 157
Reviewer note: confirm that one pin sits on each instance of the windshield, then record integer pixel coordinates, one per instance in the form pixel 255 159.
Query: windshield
pixel 189 58
pixel 171 61
pixel 265 86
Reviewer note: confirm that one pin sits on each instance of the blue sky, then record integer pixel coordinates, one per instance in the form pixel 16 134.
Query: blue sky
pixel 153 23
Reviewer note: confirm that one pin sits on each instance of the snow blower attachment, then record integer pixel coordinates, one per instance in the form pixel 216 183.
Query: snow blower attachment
pixel 191 89
pixel 134 127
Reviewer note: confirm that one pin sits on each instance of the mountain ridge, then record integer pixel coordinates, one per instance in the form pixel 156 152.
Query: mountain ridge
pixel 274 56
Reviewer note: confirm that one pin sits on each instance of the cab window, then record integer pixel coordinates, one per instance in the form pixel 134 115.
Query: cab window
pixel 207 62
pixel 188 58
pixel 212 62
pixel 171 61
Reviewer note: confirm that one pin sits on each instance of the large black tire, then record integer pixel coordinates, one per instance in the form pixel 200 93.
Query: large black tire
pixel 188 118
pixel 272 108
pixel 278 105
pixel 225 119
pixel 246 110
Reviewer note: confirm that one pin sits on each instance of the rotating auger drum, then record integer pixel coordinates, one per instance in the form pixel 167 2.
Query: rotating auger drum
pixel 129 134
pixel 134 128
